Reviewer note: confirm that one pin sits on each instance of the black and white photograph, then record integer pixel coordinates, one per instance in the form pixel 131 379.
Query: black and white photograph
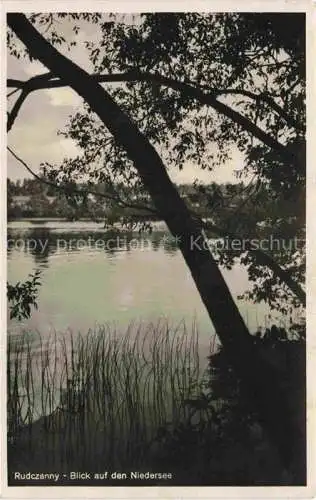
pixel 155 247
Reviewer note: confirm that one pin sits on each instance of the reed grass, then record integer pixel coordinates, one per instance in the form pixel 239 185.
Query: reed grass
pixel 93 401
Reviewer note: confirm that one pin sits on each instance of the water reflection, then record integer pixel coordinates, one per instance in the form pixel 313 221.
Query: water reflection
pixel 42 242
pixel 95 276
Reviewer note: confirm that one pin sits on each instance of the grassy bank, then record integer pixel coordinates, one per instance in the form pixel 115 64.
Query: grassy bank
pixel 137 401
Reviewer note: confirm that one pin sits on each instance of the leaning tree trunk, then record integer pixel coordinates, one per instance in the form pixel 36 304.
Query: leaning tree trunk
pixel 258 378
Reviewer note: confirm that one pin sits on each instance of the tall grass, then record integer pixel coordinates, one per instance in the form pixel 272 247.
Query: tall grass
pixel 94 401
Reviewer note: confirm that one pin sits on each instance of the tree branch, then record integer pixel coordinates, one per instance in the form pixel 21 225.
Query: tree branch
pixel 16 108
pixel 48 81
pixel 268 100
pixel 117 198
pixel 13 92
pixel 134 75
pixel 265 260
pixel 262 257
pixel 260 381
pixel 189 90
pixel 27 88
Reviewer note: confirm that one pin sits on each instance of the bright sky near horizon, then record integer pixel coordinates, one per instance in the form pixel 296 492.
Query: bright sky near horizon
pixel 34 134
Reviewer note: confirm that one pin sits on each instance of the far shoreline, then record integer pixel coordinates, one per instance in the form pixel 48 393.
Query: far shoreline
pixel 64 219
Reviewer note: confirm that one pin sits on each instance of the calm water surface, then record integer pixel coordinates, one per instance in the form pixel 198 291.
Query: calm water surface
pixel 92 277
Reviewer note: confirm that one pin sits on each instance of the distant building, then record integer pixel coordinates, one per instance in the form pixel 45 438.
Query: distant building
pixel 21 201
pixel 51 199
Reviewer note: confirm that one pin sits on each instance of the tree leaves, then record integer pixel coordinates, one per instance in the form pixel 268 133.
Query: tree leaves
pixel 233 52
pixel 23 296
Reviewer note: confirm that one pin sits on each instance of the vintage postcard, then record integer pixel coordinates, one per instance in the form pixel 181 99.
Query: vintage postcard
pixel 154 283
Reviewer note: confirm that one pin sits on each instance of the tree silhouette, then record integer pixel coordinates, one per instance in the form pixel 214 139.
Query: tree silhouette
pixel 270 134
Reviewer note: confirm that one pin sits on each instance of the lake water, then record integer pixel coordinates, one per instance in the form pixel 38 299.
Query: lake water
pixel 91 277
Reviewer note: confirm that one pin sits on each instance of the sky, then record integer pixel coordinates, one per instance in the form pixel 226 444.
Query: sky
pixel 34 134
